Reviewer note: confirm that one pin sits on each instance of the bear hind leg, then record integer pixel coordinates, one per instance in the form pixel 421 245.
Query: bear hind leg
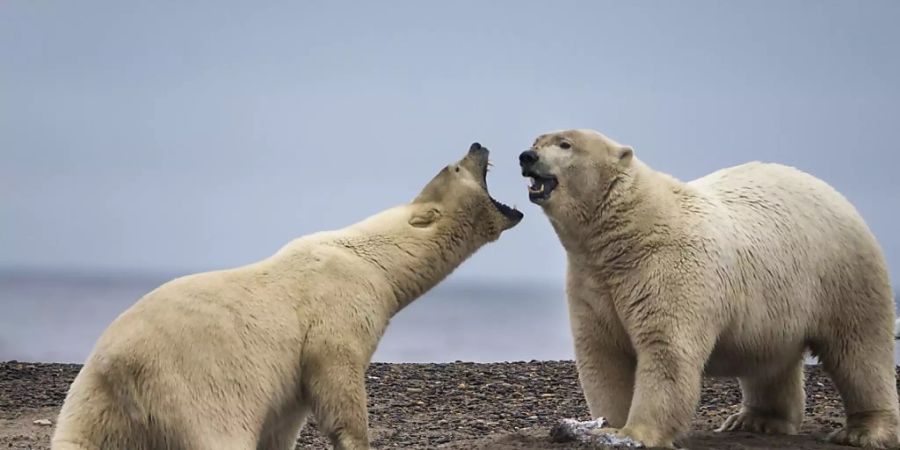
pixel 773 403
pixel 284 436
pixel 861 364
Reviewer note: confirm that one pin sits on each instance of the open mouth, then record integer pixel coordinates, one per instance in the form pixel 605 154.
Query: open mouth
pixel 541 186
pixel 509 212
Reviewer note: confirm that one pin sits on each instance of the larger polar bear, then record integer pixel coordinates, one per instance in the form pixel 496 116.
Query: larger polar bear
pixel 237 359
pixel 736 273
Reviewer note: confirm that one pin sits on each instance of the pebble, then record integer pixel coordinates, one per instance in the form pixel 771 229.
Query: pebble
pixel 415 406
pixel 43 422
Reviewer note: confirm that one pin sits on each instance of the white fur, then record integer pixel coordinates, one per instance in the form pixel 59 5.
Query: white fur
pixel 239 358
pixel 734 274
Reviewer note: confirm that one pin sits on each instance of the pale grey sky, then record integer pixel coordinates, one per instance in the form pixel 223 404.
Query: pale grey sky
pixel 179 136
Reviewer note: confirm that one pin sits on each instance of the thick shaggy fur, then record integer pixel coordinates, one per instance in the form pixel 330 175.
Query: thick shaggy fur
pixel 237 359
pixel 735 274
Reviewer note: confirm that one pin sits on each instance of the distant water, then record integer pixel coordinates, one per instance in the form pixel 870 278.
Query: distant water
pixel 57 318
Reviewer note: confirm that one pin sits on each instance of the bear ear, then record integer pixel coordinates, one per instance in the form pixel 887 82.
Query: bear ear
pixel 625 155
pixel 422 219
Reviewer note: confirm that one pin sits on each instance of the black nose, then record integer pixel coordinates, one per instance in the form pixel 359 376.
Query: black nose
pixel 527 158
pixel 475 147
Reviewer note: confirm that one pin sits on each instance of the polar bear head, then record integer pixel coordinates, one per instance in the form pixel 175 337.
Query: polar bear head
pixel 457 201
pixel 574 171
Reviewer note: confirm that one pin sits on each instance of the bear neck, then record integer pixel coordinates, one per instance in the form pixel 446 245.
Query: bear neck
pixel 412 260
pixel 627 224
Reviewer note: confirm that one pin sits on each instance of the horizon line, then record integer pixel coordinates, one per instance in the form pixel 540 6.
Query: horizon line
pixel 156 274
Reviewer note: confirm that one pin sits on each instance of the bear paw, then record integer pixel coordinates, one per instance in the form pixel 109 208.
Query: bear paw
pixel 757 423
pixel 862 435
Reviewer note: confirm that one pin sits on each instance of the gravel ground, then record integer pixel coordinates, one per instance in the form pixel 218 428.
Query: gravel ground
pixel 449 406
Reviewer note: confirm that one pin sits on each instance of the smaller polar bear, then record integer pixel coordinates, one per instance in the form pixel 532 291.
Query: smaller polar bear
pixel 237 359
pixel 733 274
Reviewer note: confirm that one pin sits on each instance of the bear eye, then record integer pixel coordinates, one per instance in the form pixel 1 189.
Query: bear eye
pixel 565 145
pixel 457 168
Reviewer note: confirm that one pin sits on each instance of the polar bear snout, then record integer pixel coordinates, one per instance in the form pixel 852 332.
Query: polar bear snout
pixel 542 183
pixel 527 159
pixel 477 162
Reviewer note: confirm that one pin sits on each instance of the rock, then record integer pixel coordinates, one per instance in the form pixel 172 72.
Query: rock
pixel 568 430
pixel 43 422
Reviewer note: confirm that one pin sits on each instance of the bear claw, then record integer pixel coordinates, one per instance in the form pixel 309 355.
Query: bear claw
pixel 859 436
pixel 756 423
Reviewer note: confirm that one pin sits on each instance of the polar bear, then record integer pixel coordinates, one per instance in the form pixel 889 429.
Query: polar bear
pixel 734 274
pixel 237 359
